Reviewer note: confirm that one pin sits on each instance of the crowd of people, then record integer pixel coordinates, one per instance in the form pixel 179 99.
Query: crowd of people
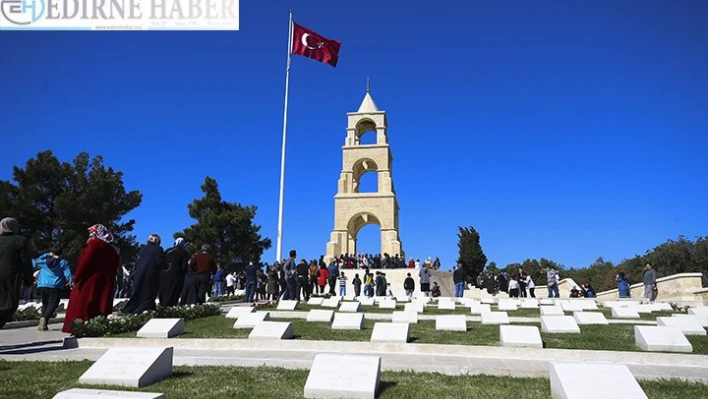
pixel 385 261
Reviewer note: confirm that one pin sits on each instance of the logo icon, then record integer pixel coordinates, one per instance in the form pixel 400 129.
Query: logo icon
pixel 22 12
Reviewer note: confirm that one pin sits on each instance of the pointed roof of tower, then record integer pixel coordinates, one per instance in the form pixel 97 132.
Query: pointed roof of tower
pixel 368 105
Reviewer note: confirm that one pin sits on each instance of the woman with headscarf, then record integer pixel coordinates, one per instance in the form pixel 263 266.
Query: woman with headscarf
pixel 172 279
pixel 15 267
pixel 94 280
pixel 151 260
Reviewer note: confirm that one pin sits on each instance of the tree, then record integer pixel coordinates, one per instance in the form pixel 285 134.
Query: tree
pixel 492 268
pixel 55 202
pixel 471 255
pixel 225 226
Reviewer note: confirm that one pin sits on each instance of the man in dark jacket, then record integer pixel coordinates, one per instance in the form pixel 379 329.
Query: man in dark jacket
pixel 151 261
pixel 459 277
pixel 203 265
pixel 333 272
pixel 172 279
pixel 15 267
pixel 409 285
pixel 303 282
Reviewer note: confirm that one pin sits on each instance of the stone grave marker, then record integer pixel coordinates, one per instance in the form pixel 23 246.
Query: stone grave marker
pixel 349 298
pixel 403 299
pixel 80 393
pixel 238 311
pixel 661 339
pixel 405 317
pixel 520 336
pixel 593 381
pixel 315 301
pixel 662 306
pixel 366 301
pixel 348 321
pixel 572 307
pixel 488 301
pixel 350 307
pixel 250 320
pixel 446 305
pixel 551 311
pixel 645 308
pixel 272 330
pixel 587 304
pixel 287 305
pixel 320 315
pixel 687 325
pixel 343 377
pixel 414 307
pixel 507 306
pixel 423 299
pixel 529 304
pixel 481 308
pixel 587 318
pixel 387 304
pixel 699 311
pixel 130 367
pixel 332 302
pixel 546 301
pixel 451 323
pixel 625 312
pixel 495 318
pixel 391 332
pixel 162 328
pixel 703 321
pixel 559 324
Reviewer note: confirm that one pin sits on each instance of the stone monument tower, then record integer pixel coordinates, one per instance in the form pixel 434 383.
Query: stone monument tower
pixel 352 209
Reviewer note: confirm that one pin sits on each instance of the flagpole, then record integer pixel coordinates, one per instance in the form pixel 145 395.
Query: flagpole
pixel 279 245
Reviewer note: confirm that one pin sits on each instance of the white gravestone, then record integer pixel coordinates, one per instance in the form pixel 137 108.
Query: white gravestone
pixel 366 301
pixel 423 299
pixel 414 307
pixel 588 304
pixel 545 301
pixel 467 302
pixel 661 339
pixel 551 311
pixel 593 381
pixel 272 330
pixel 80 393
pixel 315 301
pixel 349 298
pixel 645 308
pixel 405 317
pixel 251 319
pixel 162 328
pixel 391 332
pixel 507 306
pixel 332 302
pixel 348 321
pixel 446 305
pixel 495 318
pixel 238 311
pixel 520 336
pixel 451 323
pixel 488 301
pixel 625 313
pixel 350 307
pixel 699 311
pixel 387 304
pixel 481 308
pixel 320 315
pixel 287 305
pixel 343 377
pixel 572 307
pixel 529 304
pixel 586 318
pixel 559 324
pixel 661 306
pixel 403 299
pixel 687 325
pixel 130 367
pixel 703 321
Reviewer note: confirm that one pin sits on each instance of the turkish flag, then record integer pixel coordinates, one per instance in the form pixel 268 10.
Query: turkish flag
pixel 312 45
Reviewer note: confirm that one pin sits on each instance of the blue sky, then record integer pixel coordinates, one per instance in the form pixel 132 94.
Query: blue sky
pixel 565 130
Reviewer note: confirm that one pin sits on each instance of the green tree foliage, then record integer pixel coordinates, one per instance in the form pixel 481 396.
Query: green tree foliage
pixel 471 255
pixel 225 226
pixel 492 268
pixel 55 202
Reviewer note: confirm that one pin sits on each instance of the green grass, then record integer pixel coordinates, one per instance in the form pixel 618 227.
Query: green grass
pixel 42 380
pixel 615 337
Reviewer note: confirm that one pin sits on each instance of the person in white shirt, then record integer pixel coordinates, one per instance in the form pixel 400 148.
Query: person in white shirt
pixel 531 285
pixel 230 283
pixel 514 287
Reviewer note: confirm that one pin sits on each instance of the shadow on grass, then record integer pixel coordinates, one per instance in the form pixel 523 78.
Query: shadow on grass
pixel 384 385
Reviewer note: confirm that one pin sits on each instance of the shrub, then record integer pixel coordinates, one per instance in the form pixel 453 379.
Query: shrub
pixel 226 298
pixel 29 313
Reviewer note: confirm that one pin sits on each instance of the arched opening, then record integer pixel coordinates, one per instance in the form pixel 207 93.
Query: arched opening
pixel 365 133
pixel 365 230
pixel 366 176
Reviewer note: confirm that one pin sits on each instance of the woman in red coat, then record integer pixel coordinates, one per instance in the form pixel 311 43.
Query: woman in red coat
pixel 92 289
pixel 322 276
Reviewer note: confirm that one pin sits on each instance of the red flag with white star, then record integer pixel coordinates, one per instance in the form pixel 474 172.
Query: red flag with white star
pixel 313 45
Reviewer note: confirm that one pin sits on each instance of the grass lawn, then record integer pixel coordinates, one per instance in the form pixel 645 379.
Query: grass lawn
pixel 42 380
pixel 617 337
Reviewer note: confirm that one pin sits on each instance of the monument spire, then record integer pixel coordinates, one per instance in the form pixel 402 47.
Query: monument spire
pixel 368 85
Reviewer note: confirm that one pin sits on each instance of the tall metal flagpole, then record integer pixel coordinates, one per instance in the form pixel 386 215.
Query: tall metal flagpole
pixel 279 245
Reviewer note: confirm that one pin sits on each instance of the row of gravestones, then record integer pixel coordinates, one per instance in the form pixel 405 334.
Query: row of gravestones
pixel 333 376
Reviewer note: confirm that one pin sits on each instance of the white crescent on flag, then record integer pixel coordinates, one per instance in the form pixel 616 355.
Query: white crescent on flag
pixel 304 41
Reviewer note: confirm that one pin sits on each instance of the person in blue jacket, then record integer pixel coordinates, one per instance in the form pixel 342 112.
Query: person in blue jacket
pixel 54 275
pixel 622 285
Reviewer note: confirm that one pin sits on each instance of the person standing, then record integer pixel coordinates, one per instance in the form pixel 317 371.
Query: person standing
pixel 151 261
pixel 342 284
pixel 322 277
pixel 93 282
pixel 424 275
pixel 649 280
pixel 172 279
pixel 623 285
pixel 251 281
pixel 458 277
pixel 531 285
pixel 368 284
pixel 333 271
pixel 203 265
pixel 290 271
pixel 521 279
pixel 514 287
pixel 313 277
pixel 409 285
pixel 15 267
pixel 219 280
pixel 54 275
pixel 357 285
pixel 230 282
pixel 303 280
pixel 552 279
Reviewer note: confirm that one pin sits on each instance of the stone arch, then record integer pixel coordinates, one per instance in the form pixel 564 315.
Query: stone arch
pixel 356 223
pixel 360 168
pixel 365 125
